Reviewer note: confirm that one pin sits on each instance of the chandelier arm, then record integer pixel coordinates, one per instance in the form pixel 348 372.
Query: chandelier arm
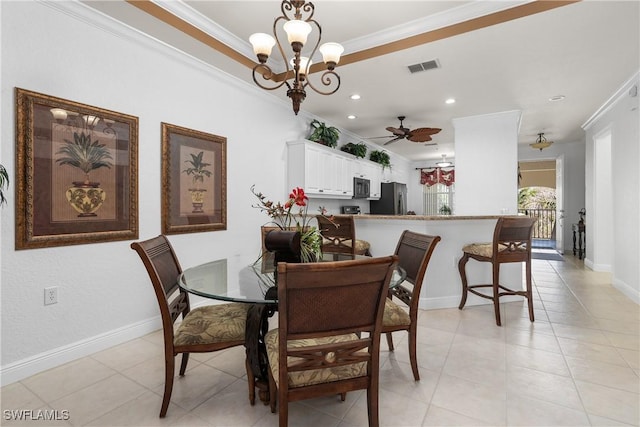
pixel 326 79
pixel 275 35
pixel 266 74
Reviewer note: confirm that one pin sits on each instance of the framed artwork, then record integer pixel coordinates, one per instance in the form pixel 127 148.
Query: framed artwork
pixel 76 173
pixel 194 181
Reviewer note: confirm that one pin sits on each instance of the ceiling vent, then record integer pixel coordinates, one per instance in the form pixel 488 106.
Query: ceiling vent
pixel 424 66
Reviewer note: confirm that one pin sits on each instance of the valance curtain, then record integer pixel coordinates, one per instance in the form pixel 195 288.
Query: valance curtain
pixel 434 176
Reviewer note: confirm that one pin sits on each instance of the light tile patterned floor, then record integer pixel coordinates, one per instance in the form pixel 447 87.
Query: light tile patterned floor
pixel 577 365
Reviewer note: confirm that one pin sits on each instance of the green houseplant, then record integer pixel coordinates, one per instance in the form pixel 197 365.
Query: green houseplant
pixel 323 134
pixel 85 197
pixel 381 157
pixel 4 184
pixel 358 150
pixel 445 210
pixel 197 171
pixel 84 154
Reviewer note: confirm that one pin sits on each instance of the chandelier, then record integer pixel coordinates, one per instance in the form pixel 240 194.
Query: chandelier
pixel 541 142
pixel 297 70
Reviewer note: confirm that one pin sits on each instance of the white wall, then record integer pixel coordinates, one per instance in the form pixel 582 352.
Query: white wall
pixel 487 164
pixel 620 114
pixel 104 292
pixel 574 185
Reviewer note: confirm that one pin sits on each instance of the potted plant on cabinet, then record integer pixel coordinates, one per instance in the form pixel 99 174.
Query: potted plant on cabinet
pixel 323 134
pixel 198 170
pixel 85 197
pixel 359 150
pixel 4 184
pixel 381 157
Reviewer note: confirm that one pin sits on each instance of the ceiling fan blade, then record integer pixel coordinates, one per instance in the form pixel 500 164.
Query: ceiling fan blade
pixel 379 137
pixel 422 134
pixel 396 131
pixel 394 140
pixel 428 131
pixel 421 137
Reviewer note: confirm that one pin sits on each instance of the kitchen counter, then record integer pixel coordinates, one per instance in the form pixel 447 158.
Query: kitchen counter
pixel 442 287
pixel 429 217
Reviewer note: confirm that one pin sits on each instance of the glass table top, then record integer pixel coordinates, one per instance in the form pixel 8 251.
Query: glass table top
pixel 251 283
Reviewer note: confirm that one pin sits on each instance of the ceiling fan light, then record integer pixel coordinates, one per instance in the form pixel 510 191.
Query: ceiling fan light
pixel 297 31
pixel 444 163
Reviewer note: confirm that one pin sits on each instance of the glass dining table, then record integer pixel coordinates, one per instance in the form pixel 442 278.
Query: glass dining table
pixel 253 284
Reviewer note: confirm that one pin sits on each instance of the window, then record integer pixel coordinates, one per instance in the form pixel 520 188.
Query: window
pixel 438 199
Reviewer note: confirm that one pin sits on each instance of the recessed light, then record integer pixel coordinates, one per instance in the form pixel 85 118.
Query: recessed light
pixel 355 96
pixel 351 117
pixel 556 98
pixel 450 101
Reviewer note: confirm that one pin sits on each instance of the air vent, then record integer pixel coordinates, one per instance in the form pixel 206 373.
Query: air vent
pixel 424 66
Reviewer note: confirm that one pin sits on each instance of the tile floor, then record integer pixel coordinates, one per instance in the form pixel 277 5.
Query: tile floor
pixel 577 365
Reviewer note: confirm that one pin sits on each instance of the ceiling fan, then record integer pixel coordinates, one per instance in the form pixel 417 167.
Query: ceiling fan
pixel 415 135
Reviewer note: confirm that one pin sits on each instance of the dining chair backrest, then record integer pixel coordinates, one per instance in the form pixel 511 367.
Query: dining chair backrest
pixel 331 298
pixel 338 233
pixel 512 239
pixel 414 252
pixel 163 268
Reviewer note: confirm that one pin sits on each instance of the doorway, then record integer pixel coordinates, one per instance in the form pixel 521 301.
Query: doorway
pixel 540 185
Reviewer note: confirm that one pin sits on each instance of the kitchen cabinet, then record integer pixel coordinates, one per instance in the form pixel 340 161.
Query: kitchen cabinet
pixel 321 171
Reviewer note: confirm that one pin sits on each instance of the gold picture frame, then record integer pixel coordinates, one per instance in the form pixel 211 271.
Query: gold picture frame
pixel 76 173
pixel 194 181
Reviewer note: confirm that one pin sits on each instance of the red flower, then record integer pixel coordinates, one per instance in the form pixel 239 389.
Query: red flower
pixel 298 197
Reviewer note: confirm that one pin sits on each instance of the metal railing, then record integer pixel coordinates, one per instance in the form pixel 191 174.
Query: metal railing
pixel 545 227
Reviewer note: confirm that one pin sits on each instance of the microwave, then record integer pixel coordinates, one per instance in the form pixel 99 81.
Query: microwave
pixel 361 188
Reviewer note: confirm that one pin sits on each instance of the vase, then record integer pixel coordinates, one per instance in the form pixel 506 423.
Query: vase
pixel 197 199
pixel 86 197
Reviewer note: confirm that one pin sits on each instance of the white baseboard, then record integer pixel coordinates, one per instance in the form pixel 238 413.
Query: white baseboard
pixel 633 294
pixel 32 365
pixel 604 268
pixel 454 301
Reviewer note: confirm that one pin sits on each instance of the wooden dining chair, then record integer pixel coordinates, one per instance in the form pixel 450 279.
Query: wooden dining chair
pixel 318 349
pixel 339 236
pixel 414 252
pixel 511 243
pixel 203 329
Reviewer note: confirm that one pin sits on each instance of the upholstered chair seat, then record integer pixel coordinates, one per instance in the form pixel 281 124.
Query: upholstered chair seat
pixel 394 315
pixel 212 324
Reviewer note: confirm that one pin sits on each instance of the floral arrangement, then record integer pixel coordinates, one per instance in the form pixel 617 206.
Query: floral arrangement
pixel 285 217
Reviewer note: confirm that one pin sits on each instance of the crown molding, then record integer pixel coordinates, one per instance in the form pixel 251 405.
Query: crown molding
pixel 613 100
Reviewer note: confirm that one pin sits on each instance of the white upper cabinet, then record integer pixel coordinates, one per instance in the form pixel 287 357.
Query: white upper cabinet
pixel 321 171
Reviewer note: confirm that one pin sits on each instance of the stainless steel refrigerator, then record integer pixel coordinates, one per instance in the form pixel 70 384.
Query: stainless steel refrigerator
pixel 393 200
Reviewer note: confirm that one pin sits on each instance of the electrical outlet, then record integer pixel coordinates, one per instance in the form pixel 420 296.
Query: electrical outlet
pixel 51 295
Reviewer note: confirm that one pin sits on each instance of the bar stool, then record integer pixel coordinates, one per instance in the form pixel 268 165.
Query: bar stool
pixel 511 243
pixel 339 236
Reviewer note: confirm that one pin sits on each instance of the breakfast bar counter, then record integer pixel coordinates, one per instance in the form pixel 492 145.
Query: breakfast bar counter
pixel 442 287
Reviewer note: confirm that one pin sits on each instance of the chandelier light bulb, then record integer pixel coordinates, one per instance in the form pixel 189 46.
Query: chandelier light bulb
pixel 262 44
pixel 331 53
pixel 297 31
pixel 305 64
